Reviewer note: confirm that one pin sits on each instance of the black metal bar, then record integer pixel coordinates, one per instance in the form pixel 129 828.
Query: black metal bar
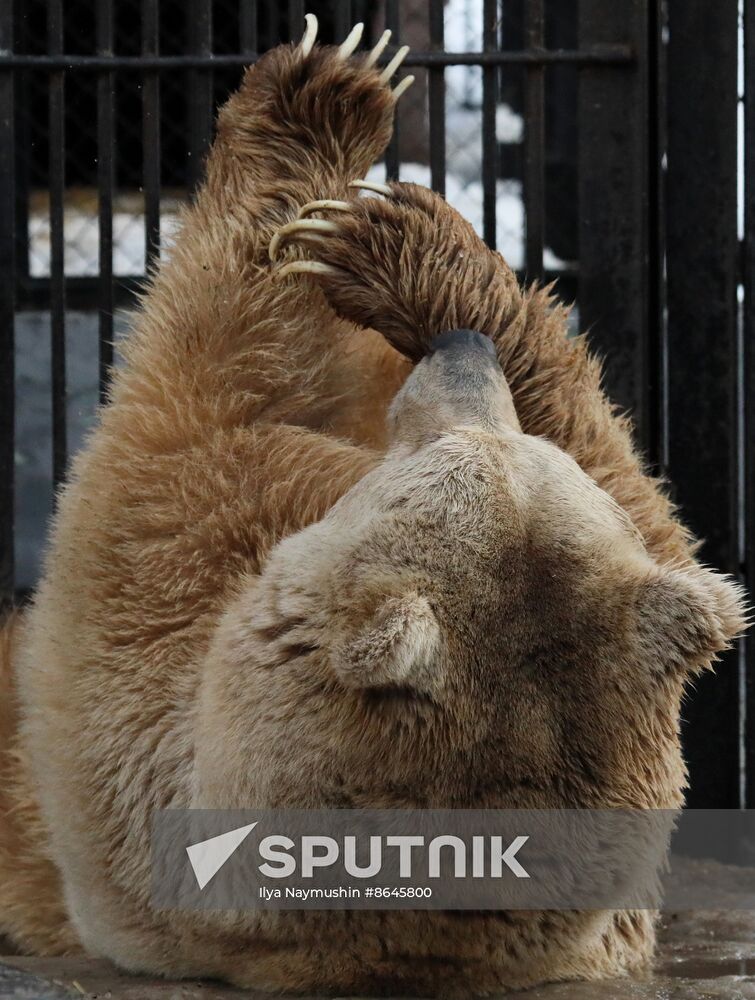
pixel 702 349
pixel 274 11
pixel 22 140
pixel 57 245
pixel 392 155
pixel 295 18
pixel 437 102
pixel 748 390
pixel 658 103
pixel 534 145
pixel 511 90
pixel 106 185
pixel 489 138
pixel 201 100
pixel 342 20
pixel 613 173
pixel 608 55
pixel 7 313
pixel 151 132
pixel 22 186
pixel 561 139
pixel 248 35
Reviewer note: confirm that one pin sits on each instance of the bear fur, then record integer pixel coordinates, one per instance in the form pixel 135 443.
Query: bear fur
pixel 300 564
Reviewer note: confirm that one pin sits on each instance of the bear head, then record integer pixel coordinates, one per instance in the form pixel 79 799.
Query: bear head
pixel 475 624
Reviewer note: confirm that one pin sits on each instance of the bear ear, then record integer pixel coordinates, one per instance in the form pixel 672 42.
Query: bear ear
pixel 396 647
pixel 689 616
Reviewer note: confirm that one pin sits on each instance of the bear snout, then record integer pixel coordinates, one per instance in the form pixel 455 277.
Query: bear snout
pixel 454 341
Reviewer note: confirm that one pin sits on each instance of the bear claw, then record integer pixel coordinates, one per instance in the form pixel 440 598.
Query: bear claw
pixel 306 267
pixel 372 186
pixel 321 205
pixel 310 34
pixel 351 41
pixel 402 87
pixel 377 52
pixel 300 227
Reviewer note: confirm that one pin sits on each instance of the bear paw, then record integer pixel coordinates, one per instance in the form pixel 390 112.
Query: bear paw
pixel 326 108
pixel 405 263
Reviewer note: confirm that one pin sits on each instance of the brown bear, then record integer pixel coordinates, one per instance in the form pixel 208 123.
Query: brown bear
pixel 314 556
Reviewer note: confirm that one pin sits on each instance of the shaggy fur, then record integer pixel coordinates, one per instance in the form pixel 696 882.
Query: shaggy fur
pixel 262 589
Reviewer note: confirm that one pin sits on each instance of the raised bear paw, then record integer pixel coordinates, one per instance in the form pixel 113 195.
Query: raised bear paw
pixel 406 264
pixel 323 104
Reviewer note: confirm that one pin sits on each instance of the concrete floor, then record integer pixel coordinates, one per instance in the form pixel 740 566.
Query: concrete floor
pixel 702 956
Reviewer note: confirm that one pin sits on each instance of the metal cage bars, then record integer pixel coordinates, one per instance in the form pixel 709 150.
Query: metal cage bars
pixel 200 62
pixel 747 671
pixel 7 312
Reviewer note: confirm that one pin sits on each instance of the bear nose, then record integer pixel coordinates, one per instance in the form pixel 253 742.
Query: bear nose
pixel 459 383
pixel 463 341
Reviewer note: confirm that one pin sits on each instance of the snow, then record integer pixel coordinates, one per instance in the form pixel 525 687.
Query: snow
pixel 81 241
pixel 509 126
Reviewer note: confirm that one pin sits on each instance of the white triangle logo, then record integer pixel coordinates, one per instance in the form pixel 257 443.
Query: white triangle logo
pixel 208 856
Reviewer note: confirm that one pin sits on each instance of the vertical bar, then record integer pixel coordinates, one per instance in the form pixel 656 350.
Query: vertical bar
pixel 342 20
pixel 748 388
pixel 151 133
pixel 7 311
pixel 248 36
pixel 512 38
pixel 561 142
pixel 22 140
pixel 489 139
pixel 614 197
pixel 658 103
pixel 437 102
pixel 57 244
pixel 392 156
pixel 295 18
pixel 702 259
pixel 106 184
pixel 534 145
pixel 200 90
pixel 274 11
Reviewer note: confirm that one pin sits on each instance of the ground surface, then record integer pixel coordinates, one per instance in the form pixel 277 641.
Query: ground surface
pixel 703 956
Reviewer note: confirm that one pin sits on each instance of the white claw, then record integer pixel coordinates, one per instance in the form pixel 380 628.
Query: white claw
pixel 372 186
pixel 402 87
pixel 394 64
pixel 307 267
pixel 325 203
pixel 351 41
pixel 377 52
pixel 310 34
pixel 299 226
